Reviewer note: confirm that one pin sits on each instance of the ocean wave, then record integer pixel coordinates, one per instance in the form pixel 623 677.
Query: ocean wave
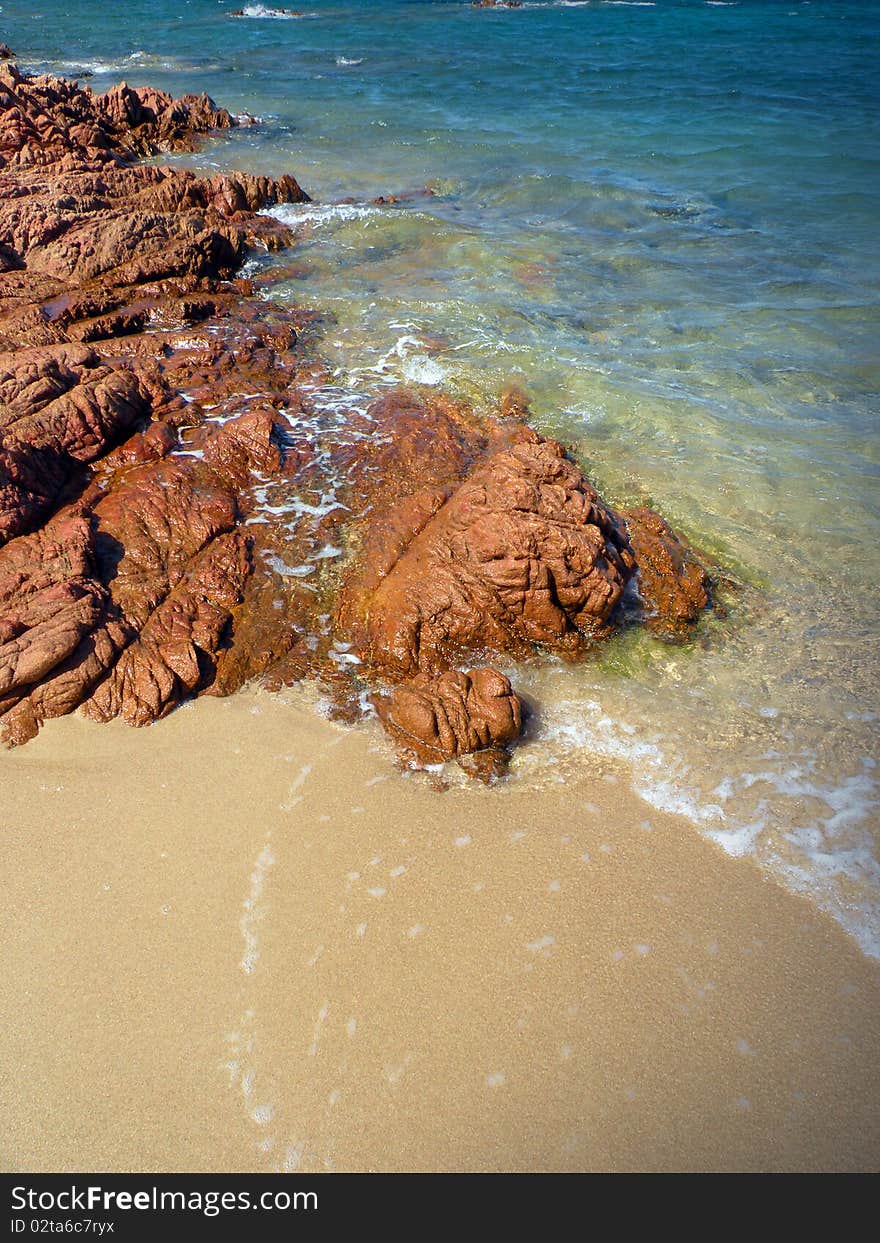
pixel 830 859
pixel 262 12
pixel 346 60
pixel 407 360
pixel 321 214
pixel 98 67
pixel 168 64
pixel 124 64
pixel 586 4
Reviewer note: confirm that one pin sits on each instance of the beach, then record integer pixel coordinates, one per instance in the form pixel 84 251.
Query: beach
pixel 241 941
pixel 451 444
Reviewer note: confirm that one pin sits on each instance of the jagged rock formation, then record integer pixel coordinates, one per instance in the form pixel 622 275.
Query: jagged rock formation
pixel 179 513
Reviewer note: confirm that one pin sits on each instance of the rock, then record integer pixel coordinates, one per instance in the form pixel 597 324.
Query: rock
pixel 476 539
pixel 487 765
pixel 181 513
pixel 94 246
pixel 51 600
pixel 6 52
pixel 45 119
pixel 674 586
pixel 59 409
pixel 432 719
pixel 144 561
pixel 521 553
pixel 173 653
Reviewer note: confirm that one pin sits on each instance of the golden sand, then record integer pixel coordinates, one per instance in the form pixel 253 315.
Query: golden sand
pixel 240 940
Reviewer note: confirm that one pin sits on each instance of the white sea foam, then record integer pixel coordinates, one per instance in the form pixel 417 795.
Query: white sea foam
pixel 99 67
pixel 423 370
pixel 263 12
pixel 136 60
pixel 285 570
pixel 319 214
pixel 755 813
pixel 253 911
pixel 661 782
pixel 406 359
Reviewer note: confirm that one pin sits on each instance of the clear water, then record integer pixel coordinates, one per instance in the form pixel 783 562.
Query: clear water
pixel 661 219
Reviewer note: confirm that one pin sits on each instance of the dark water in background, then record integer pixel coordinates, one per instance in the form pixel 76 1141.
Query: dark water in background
pixel 662 220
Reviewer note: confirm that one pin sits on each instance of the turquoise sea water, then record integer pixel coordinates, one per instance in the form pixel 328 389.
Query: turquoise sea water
pixel 661 219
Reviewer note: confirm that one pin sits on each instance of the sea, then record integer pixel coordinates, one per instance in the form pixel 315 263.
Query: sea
pixel 660 219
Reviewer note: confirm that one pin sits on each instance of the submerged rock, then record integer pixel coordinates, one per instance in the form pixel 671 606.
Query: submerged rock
pixel 674 585
pixel 179 513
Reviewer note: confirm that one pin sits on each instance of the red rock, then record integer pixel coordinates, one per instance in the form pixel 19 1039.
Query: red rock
pixel 50 600
pixel 439 718
pixel 674 585
pixel 44 120
pixel 172 654
pixel 139 581
pixel 83 228
pixel 522 553
pixel 137 473
pixel 59 408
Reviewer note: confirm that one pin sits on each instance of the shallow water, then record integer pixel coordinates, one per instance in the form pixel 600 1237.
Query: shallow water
pixel 658 219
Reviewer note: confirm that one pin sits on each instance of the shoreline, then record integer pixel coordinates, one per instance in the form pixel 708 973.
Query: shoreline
pixel 271 971
pixel 228 942
pixel 190 506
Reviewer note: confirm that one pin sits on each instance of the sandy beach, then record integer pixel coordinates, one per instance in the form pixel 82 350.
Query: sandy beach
pixel 384 401
pixel 241 940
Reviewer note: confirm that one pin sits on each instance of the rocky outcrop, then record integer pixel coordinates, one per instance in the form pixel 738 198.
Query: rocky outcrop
pixel 51 597
pixel 94 246
pixel 124 554
pixel 52 122
pixel 674 584
pixel 60 408
pixel 183 509
pixel 486 539
pixel 522 552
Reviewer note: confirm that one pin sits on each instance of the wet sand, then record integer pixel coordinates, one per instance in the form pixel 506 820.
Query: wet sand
pixel 240 940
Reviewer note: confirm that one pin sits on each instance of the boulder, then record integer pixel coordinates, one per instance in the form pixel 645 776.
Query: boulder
pixel 674 585
pixel 436 718
pixel 181 511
